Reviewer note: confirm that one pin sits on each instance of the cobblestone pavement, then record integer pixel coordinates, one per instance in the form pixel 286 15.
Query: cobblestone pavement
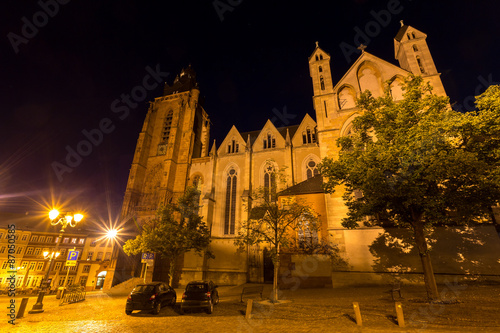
pixel 470 308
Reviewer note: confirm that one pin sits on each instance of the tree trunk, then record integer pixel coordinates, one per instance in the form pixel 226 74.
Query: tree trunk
pixel 430 281
pixel 171 272
pixel 275 279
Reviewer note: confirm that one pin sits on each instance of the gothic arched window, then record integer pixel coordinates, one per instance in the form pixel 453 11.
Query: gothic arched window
pixel 322 83
pixel 420 65
pixel 233 146
pixel 320 69
pixel 311 169
pixel 166 127
pixel 230 209
pixel 306 236
pixel 269 141
pixel 308 136
pixel 415 48
pixel 269 182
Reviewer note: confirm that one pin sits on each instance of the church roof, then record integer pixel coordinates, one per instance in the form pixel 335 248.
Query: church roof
pixel 282 130
pixel 309 186
pixel 401 32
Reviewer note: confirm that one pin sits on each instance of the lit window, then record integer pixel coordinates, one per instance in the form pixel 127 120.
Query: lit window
pixel 230 209
pixel 81 241
pixel 66 240
pixel 306 236
pixel 73 240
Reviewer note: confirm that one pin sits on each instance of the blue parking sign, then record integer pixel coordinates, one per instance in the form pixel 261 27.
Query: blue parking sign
pixel 72 257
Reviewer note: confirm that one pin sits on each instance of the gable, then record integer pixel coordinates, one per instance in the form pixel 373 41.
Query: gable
pixel 269 137
pixel 306 123
pixel 232 143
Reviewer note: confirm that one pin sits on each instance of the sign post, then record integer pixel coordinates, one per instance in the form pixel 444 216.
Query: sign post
pixel 71 261
pixel 148 259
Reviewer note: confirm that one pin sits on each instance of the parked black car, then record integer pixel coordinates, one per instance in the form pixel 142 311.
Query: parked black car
pixel 150 296
pixel 200 294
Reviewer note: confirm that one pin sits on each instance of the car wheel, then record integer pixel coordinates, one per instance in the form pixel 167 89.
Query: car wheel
pixel 128 312
pixel 210 308
pixel 174 300
pixel 157 308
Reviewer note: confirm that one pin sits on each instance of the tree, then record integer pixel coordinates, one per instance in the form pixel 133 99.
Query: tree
pixel 176 229
pixel 275 222
pixel 418 163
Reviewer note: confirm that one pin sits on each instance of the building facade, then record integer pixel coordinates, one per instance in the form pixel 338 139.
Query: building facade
pixel 32 247
pixel 173 152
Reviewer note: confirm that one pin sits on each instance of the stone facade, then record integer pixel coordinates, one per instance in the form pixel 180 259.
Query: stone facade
pixel 173 152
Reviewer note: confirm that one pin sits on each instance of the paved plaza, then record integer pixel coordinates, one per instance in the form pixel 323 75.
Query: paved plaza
pixel 471 308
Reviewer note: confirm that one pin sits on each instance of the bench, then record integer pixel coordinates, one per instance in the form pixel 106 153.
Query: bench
pixel 252 290
pixel 396 288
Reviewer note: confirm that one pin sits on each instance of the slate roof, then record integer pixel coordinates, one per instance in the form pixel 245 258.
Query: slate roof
pixel 401 32
pixel 309 186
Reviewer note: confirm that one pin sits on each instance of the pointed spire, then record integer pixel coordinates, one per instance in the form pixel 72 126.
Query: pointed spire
pixel 213 151
pixel 249 144
pixel 288 141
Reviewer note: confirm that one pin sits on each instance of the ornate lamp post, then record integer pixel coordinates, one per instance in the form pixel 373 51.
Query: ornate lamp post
pixel 55 219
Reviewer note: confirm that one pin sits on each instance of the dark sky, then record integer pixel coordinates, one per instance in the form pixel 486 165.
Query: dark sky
pixel 67 72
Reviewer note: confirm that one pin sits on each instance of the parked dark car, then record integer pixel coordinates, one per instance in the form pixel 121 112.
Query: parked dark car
pixel 200 295
pixel 150 296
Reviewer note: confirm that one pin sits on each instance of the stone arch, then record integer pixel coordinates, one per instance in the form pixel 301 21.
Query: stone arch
pixel 308 171
pixel 262 170
pixel 395 87
pixel 346 97
pixel 346 129
pixel 369 78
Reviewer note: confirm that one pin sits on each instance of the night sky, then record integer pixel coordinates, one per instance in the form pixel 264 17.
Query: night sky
pixel 61 77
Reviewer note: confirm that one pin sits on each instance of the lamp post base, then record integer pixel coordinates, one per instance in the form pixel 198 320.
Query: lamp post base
pixel 38 306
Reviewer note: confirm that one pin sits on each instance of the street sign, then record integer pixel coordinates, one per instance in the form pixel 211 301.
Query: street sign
pixel 148 258
pixel 72 257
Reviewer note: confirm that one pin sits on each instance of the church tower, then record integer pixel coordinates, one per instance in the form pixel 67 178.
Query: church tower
pixel 175 131
pixel 413 54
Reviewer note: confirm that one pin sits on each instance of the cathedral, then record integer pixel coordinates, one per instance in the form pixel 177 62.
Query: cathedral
pixel 174 151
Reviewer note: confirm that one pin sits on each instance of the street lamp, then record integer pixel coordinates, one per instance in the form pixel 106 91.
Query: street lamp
pixel 55 219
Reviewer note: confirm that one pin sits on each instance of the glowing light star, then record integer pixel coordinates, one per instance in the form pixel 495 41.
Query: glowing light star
pixel 111 234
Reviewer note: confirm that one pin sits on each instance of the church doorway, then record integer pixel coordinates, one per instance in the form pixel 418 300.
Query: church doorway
pixel 268 266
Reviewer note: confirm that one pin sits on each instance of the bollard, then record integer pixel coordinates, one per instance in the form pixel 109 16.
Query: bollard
pixel 248 314
pixel 38 307
pixel 24 303
pixel 357 313
pixel 399 313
